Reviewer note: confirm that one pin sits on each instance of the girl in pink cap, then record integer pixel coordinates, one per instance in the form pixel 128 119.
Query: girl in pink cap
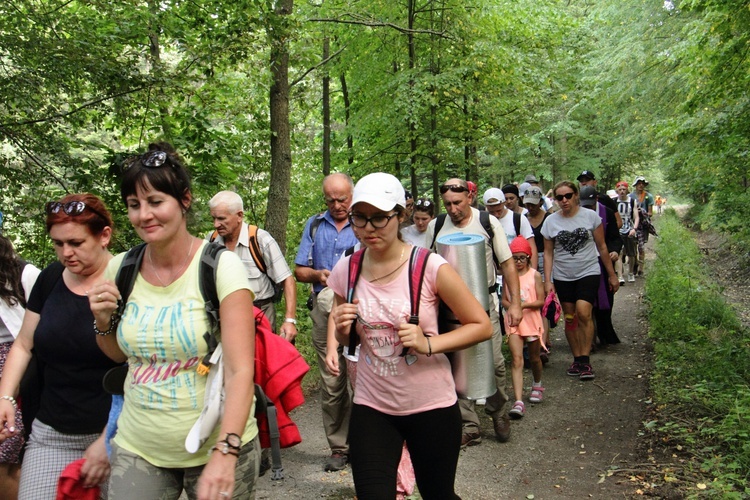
pixel 530 331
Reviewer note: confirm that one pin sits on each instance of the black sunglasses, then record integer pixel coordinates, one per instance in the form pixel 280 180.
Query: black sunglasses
pixel 456 188
pixel 150 159
pixel 565 196
pixel 71 208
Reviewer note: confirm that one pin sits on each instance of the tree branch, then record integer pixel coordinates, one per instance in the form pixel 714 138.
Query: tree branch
pixel 380 24
pixel 72 112
pixel 313 68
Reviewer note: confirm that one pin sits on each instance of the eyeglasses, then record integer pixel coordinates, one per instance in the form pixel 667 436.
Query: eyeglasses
pixel 565 196
pixel 377 221
pixel 423 203
pixel 455 188
pixel 520 258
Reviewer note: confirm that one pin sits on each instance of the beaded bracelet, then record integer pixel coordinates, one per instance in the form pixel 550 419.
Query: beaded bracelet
pixel 113 320
pixel 11 399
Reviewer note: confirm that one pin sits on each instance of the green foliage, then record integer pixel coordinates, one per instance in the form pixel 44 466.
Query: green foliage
pixel 702 371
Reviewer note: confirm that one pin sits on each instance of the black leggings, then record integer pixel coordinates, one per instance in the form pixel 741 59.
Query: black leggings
pixel 375 441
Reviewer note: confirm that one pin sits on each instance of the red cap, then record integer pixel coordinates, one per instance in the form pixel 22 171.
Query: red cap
pixel 472 187
pixel 520 245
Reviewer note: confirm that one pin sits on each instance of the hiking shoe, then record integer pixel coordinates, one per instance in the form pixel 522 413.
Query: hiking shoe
pixel 518 410
pixel 631 278
pixel 501 424
pixel 586 373
pixel 470 439
pixel 574 370
pixel 337 461
pixel 536 394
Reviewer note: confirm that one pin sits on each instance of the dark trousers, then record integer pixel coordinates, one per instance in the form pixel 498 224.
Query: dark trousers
pixel 375 442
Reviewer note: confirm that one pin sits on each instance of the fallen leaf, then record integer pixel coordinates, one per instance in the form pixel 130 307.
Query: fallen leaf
pixel 701 486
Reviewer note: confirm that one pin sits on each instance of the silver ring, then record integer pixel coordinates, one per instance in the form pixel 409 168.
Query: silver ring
pixel 99 297
pixel 224 494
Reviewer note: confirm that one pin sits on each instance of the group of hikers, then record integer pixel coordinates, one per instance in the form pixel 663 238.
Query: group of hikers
pixel 182 420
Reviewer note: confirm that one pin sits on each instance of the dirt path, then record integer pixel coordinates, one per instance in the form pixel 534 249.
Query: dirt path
pixel 563 448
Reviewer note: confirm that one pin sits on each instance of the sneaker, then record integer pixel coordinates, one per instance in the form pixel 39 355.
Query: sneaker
pixel 631 278
pixel 470 439
pixel 536 394
pixel 622 280
pixel 574 370
pixel 481 401
pixel 337 461
pixel 586 373
pixel 518 410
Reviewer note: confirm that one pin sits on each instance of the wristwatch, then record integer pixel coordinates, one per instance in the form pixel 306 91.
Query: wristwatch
pixel 290 320
pixel 233 441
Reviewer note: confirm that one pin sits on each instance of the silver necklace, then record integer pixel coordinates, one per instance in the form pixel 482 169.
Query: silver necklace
pixel 171 276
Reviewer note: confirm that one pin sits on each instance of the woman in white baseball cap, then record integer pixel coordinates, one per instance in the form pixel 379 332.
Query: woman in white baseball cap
pixel 404 390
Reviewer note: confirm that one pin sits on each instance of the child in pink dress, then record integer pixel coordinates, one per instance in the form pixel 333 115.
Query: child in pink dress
pixel 529 331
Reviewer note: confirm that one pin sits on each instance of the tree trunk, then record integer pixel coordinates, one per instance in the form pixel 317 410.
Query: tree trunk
pixel 157 69
pixel 326 113
pixel 277 208
pixel 347 103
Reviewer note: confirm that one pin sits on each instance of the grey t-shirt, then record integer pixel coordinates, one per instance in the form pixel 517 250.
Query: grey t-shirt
pixel 576 255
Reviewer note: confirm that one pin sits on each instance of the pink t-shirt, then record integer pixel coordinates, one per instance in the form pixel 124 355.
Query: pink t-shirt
pixel 386 381
pixel 531 324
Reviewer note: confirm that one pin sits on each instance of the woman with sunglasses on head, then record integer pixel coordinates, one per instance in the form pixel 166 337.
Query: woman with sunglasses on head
pixel 16 281
pixel 404 389
pixel 573 241
pixel 73 406
pixel 161 335
pixel 416 234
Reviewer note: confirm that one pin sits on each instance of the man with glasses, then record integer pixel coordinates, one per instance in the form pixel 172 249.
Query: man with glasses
pixel 324 240
pixel 462 218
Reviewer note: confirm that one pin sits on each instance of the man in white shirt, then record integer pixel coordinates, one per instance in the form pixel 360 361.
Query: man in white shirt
pixel 231 231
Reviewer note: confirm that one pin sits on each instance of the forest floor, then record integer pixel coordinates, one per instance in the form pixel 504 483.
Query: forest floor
pixel 586 440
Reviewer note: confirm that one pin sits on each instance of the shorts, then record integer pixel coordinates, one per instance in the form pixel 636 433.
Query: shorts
pixel 586 288
pixel 629 245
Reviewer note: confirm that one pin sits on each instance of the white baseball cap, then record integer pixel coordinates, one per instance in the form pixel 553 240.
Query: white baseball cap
pixel 382 191
pixel 493 196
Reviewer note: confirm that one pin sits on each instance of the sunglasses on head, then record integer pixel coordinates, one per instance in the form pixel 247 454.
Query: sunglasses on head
pixel 423 203
pixel 150 159
pixel 455 188
pixel 71 208
pixel 565 196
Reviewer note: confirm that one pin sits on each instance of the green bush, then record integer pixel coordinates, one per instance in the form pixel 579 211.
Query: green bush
pixel 702 363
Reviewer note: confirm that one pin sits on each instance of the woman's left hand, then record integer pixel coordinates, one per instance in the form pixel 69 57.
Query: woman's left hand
pixel 217 479
pixel 412 336
pixel 96 467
